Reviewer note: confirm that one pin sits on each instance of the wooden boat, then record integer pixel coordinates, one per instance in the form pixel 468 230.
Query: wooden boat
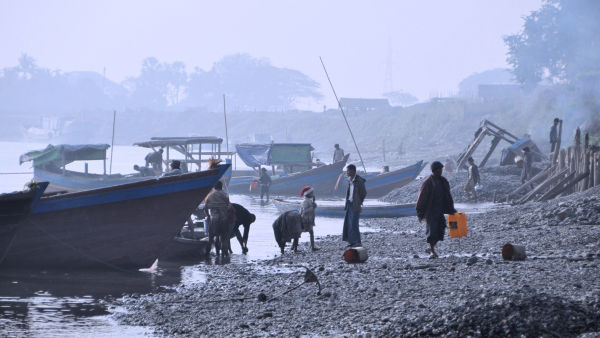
pixel 49 164
pixel 186 245
pixel 379 185
pixel 14 209
pixel 322 179
pixel 368 211
pixel 192 152
pixel 118 227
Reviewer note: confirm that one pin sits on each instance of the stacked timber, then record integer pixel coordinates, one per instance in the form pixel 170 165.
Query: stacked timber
pixel 574 169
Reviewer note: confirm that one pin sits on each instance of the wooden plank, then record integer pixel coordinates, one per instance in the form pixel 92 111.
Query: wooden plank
pixel 557 150
pixel 534 179
pixel 471 149
pixel 493 146
pixel 586 167
pixel 502 130
pixel 564 186
pixel 560 186
pixel 597 169
pixel 548 182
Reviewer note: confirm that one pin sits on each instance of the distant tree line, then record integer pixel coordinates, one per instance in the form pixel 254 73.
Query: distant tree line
pixel 249 83
pixel 559 45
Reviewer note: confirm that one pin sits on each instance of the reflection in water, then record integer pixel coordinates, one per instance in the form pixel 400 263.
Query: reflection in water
pixel 76 303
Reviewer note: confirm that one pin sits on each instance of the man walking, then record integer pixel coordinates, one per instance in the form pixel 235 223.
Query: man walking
pixel 472 179
pixel 433 202
pixel 355 195
pixel 338 153
pixel 554 135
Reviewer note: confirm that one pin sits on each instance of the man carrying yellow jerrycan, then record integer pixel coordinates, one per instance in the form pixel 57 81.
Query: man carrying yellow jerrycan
pixel 433 202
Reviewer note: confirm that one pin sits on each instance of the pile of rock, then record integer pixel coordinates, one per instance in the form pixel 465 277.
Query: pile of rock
pixel 519 312
pixel 581 208
pixel 498 180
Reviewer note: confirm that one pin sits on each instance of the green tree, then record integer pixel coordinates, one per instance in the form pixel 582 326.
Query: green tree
pixel 558 42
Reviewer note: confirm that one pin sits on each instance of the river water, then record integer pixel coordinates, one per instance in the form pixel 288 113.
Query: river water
pixel 78 303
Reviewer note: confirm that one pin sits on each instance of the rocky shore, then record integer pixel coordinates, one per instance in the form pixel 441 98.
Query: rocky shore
pixel 468 291
pixel 499 181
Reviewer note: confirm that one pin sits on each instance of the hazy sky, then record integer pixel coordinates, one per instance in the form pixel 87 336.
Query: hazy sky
pixel 432 45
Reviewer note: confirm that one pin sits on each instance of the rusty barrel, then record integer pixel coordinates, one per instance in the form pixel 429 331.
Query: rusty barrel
pixel 356 255
pixel 512 252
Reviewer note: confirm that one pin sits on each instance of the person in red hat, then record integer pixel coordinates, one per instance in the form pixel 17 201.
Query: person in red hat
pixel 308 213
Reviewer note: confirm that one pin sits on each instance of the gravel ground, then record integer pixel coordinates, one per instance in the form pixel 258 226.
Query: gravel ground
pixel 468 291
pixel 499 180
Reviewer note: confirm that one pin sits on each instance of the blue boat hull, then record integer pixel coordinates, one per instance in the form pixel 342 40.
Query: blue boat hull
pixel 118 227
pixel 380 211
pixel 322 179
pixel 379 185
pixel 14 210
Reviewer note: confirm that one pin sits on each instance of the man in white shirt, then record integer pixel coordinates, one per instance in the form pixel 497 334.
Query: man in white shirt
pixel 355 195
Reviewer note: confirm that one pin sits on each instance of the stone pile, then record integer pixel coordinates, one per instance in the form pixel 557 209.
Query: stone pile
pixel 519 312
pixel 499 180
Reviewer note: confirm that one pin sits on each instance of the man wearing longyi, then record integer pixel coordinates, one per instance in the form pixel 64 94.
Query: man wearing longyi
pixel 433 202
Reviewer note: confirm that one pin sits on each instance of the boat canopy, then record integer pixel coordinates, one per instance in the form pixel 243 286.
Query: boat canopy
pixel 63 154
pixel 195 149
pixel 178 141
pixel 255 155
pixel 509 154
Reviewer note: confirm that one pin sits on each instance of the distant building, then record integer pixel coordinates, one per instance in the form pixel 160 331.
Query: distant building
pixel 495 92
pixel 364 105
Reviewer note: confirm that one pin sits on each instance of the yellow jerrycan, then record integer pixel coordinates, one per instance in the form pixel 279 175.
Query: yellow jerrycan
pixel 457 225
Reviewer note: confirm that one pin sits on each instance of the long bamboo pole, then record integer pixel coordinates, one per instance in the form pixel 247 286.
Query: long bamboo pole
pixel 226 128
pixel 343 114
pixel 112 143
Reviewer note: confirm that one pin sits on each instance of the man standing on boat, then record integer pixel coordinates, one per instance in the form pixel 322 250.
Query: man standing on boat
pixel 265 183
pixel 338 153
pixel 433 202
pixel 155 160
pixel 355 195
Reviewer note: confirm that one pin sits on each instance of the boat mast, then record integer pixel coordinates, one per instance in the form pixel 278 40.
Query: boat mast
pixel 226 131
pixel 344 115
pixel 112 143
